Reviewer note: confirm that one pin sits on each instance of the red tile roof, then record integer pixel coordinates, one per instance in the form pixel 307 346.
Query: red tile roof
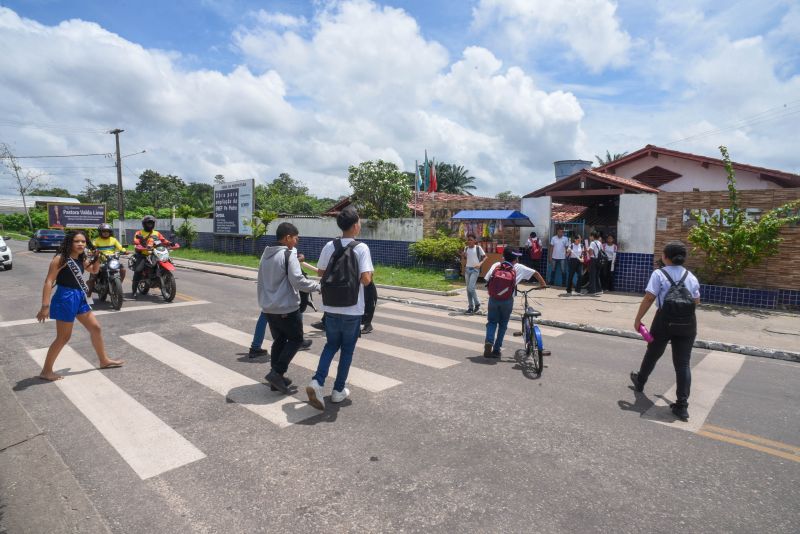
pixel 610 179
pixel 566 212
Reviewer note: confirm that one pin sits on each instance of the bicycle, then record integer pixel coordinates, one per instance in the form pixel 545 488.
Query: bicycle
pixel 534 346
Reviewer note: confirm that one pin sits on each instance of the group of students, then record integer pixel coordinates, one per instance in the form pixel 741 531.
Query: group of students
pixel 591 262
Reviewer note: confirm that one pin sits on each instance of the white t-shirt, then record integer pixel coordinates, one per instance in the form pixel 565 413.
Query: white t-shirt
pixel 575 251
pixel 595 247
pixel 364 266
pixel 659 285
pixel 558 247
pixel 611 251
pixel 523 272
pixel 474 255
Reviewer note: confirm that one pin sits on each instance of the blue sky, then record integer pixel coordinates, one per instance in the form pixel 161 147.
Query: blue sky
pixel 251 89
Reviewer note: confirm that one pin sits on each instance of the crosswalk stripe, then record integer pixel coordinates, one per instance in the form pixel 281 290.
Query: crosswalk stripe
pixel 452 327
pixel 475 344
pixel 282 410
pixel 474 319
pixel 437 362
pixel 709 378
pixel 146 307
pixel 358 377
pixel 144 441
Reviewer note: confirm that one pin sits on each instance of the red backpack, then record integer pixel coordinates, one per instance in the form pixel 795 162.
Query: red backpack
pixel 536 250
pixel 502 282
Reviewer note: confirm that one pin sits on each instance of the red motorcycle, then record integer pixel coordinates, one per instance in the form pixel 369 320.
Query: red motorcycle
pixel 158 268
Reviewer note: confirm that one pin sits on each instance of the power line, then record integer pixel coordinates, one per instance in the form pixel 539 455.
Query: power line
pixel 49 126
pixel 106 154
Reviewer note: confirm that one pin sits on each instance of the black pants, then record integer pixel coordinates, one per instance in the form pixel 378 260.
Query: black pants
pixel 574 268
pixel 607 277
pixel 594 276
pixel 370 302
pixel 138 266
pixel 287 337
pixel 681 357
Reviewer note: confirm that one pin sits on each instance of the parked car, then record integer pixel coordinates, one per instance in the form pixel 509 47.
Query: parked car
pixel 6 258
pixel 43 239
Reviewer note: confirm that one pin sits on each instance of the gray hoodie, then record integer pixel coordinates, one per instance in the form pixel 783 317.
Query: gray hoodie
pixel 277 292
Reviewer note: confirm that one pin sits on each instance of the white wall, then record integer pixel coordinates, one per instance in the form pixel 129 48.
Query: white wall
pixel 636 229
pixel 538 211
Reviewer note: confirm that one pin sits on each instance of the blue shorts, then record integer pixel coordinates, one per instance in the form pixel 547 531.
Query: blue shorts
pixel 67 303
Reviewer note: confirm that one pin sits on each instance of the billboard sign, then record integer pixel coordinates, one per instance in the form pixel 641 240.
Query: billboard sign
pixel 233 207
pixel 78 216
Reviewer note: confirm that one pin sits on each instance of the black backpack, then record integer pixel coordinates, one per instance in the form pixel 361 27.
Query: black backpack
pixel 342 279
pixel 305 298
pixel 678 307
pixel 602 257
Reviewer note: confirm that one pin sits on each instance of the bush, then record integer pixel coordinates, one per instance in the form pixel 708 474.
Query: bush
pixel 187 232
pixel 442 248
pixel 17 222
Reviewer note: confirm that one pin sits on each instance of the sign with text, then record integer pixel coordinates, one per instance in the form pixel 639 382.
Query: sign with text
pixel 76 216
pixel 692 217
pixel 233 207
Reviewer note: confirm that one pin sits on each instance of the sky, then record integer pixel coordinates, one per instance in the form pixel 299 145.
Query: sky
pixel 251 89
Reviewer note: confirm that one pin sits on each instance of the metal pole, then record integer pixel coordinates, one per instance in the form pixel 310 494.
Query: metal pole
pixel 120 200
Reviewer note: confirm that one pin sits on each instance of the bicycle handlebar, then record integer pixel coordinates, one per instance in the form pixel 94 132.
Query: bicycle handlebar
pixel 536 288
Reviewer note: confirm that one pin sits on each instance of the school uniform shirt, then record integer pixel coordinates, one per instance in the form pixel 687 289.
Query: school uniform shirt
pixel 523 272
pixel 364 266
pixel 575 251
pixel 558 247
pixel 474 255
pixel 658 285
pixel 611 252
pixel 595 246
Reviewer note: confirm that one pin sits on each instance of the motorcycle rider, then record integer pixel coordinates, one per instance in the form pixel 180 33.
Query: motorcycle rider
pixel 143 244
pixel 106 244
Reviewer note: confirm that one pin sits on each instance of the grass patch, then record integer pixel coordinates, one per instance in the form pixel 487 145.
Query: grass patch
pixel 414 277
pixel 16 235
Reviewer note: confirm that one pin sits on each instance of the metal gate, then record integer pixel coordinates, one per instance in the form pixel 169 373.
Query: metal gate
pixel 570 228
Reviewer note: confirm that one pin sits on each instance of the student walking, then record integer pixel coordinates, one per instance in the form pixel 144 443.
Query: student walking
pixel 610 248
pixel 347 266
pixel 474 257
pixel 575 258
pixel 280 280
pixel 594 265
pixel 71 301
pixel 502 279
pixel 676 292
pixel 558 256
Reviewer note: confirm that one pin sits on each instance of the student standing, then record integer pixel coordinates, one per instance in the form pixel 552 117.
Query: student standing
pixel 474 258
pixel 70 302
pixel 575 259
pixel 594 265
pixel 347 266
pixel 676 292
pixel 280 280
pixel 558 256
pixel 611 249
pixel 502 279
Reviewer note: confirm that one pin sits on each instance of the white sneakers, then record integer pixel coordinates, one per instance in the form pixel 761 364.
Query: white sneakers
pixel 339 396
pixel 317 399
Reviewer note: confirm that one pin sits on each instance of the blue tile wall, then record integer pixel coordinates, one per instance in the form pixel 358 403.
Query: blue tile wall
pixel 789 298
pixel 632 272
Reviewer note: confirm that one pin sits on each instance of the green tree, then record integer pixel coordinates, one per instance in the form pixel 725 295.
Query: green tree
pixel 219 179
pixel 260 223
pixel 454 179
pixel 51 192
pixel 506 195
pixel 609 158
pixel 287 195
pixel 186 231
pixel 99 194
pixel 379 190
pixel 160 191
pixel 733 243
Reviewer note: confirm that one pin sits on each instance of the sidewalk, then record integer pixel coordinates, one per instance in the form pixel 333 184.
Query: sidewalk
pixel 772 334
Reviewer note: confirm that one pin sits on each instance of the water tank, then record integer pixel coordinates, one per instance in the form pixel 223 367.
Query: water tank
pixel 568 167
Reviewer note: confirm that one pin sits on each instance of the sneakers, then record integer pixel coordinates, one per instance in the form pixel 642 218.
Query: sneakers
pixel 256 353
pixel 469 311
pixel 496 353
pixel 306 344
pixel 568 294
pixel 487 349
pixel 339 396
pixel 319 325
pixel 275 380
pixel 315 397
pixel 477 309
pixel 367 328
pixel 287 381
pixel 680 411
pixel 637 386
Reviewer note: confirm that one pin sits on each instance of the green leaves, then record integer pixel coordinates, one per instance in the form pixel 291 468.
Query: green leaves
pixel 440 248
pixel 380 190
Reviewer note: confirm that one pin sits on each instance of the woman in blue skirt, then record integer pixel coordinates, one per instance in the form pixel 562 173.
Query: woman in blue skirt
pixel 70 301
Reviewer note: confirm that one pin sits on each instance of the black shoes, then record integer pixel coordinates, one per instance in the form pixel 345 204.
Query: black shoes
pixel 287 381
pixel 680 411
pixel 637 386
pixel 319 325
pixel 469 311
pixel 367 328
pixel 257 353
pixel 495 354
pixel 477 309
pixel 306 344
pixel 487 349
pixel 275 380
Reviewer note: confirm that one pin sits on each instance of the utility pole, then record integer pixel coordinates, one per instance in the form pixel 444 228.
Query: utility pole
pixel 120 201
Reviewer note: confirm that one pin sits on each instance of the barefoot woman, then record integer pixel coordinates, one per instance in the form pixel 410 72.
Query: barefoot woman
pixel 69 302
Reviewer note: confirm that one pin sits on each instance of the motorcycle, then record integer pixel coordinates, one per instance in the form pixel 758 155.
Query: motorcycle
pixel 157 271
pixel 108 281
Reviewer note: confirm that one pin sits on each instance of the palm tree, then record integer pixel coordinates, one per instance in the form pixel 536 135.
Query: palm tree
pixel 609 158
pixel 203 207
pixel 454 179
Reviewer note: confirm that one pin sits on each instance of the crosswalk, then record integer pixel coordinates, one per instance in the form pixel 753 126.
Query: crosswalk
pixel 151 447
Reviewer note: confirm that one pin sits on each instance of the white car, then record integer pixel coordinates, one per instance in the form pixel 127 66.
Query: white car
pixel 6 258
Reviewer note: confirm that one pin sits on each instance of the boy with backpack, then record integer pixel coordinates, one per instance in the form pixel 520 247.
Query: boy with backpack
pixel 676 292
pixel 280 280
pixel 502 279
pixel 347 268
pixel 473 257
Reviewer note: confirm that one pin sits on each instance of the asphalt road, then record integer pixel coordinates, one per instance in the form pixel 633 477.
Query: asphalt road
pixel 183 439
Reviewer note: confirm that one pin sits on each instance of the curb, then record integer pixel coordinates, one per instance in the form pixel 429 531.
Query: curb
pixel 181 265
pixel 747 350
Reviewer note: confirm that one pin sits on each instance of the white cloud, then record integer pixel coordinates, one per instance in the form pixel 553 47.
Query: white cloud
pixel 589 29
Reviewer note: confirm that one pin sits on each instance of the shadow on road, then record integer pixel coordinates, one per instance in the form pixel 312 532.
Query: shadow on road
pixel 640 405
pixel 525 365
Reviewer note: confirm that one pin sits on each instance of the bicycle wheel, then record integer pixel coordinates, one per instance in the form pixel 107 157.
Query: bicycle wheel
pixel 530 341
pixel 538 357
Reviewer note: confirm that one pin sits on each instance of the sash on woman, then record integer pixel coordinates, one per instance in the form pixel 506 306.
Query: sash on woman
pixel 76 272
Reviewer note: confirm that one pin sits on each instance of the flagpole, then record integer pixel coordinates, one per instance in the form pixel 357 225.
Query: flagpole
pixel 416 186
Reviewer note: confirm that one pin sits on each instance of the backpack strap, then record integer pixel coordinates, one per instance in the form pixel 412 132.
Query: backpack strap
pixel 671 281
pixel 339 249
pixel 286 255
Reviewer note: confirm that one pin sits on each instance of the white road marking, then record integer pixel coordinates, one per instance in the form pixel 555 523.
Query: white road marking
pixel 473 344
pixel 358 377
pixel 709 379
pixel 146 307
pixel 282 410
pixel 476 319
pixel 437 362
pixel 144 441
